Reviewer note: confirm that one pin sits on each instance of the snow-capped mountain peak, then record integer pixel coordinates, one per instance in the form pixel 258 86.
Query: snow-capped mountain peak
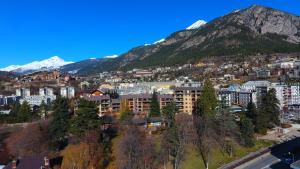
pixel 54 62
pixel 196 25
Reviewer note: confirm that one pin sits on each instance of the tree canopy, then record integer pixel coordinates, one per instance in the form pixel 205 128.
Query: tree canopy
pixel 59 124
pixel 207 103
pixel 154 106
pixel 86 118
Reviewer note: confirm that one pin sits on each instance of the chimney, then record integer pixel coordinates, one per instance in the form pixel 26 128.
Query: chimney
pixel 14 164
pixel 46 160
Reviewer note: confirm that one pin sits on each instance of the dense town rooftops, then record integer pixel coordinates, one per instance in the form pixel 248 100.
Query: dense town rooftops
pixel 188 88
pixel 96 98
pixel 257 83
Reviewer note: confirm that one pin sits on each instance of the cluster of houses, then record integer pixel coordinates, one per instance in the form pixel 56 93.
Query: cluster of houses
pixel 137 97
pixel 46 95
pixel 288 95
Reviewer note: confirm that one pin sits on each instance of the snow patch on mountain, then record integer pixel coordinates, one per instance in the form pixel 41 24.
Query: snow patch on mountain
pixel 159 41
pixel 54 62
pixel 238 10
pixel 10 68
pixel 196 25
pixel 111 57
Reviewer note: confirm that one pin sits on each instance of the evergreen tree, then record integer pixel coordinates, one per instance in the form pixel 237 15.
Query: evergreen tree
pixel 171 136
pixel 154 106
pixel 59 124
pixel 15 109
pixel 125 113
pixel 262 122
pixel 169 113
pixel 43 110
pixel 272 107
pixel 207 103
pixel 14 113
pixel 251 112
pixel 247 131
pixel 86 118
pixel 205 121
pixel 269 113
pixel 25 113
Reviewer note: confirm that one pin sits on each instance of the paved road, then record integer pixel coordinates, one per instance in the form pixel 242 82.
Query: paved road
pixel 274 159
pixel 264 163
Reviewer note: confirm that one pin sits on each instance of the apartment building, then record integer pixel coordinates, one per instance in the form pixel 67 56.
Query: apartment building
pixel 68 92
pixel 46 91
pixel 139 104
pixel 36 100
pixel 164 100
pixel 288 95
pixel 234 95
pixel 103 102
pixel 23 92
pixel 185 98
pixel 260 87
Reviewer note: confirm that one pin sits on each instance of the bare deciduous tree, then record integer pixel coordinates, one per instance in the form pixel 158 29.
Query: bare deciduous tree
pixel 206 137
pixel 30 140
pixel 135 150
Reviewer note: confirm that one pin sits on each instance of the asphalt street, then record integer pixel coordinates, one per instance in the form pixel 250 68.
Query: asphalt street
pixel 275 160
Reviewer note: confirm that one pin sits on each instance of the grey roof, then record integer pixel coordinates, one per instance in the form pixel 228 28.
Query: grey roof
pixel 187 88
pixel 168 96
pixel 135 96
pixel 257 83
pixel 96 98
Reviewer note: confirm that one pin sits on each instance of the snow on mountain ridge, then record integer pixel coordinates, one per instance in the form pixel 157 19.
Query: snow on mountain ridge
pixel 159 41
pixel 111 57
pixel 51 63
pixel 196 25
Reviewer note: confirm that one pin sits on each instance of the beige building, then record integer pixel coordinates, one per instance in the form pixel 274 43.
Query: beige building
pixel 185 98
pixel 140 103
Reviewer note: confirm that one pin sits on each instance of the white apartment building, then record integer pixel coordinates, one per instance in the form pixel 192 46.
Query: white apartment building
pixel 23 92
pixel 234 95
pixel 46 91
pixel 68 92
pixel 295 95
pixel 282 92
pixel 37 100
pixel 260 87
pixel 288 95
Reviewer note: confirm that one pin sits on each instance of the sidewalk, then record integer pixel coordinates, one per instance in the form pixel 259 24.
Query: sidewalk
pixel 246 159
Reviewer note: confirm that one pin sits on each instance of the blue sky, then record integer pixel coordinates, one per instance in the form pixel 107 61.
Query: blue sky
pixel 81 29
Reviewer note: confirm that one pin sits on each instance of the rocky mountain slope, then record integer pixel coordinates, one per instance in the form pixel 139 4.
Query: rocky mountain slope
pixel 85 67
pixel 253 30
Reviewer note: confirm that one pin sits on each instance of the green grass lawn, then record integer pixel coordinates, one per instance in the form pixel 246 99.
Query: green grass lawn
pixel 194 161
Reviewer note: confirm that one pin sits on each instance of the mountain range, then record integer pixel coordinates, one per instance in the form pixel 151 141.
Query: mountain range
pixel 54 62
pixel 256 29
